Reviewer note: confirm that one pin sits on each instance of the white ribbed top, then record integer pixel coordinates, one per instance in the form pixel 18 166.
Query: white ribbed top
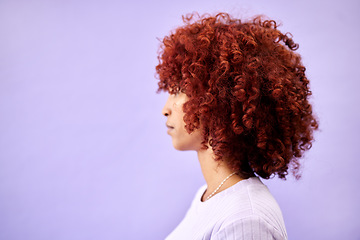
pixel 246 210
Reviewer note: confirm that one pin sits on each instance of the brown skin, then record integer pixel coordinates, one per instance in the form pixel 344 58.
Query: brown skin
pixel 181 139
pixel 213 171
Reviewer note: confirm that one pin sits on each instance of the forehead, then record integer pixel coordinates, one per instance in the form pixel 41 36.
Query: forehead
pixel 179 98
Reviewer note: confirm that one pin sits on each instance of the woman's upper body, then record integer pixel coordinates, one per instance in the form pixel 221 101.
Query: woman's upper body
pixel 246 210
pixel 239 98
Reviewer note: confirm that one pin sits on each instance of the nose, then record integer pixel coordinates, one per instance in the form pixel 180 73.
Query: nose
pixel 166 111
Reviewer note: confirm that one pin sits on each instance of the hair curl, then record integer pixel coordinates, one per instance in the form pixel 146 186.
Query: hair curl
pixel 247 91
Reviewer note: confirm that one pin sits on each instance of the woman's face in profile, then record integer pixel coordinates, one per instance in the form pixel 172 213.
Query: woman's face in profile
pixel 181 139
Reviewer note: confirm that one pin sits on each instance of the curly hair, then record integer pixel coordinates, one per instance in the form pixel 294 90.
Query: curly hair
pixel 247 91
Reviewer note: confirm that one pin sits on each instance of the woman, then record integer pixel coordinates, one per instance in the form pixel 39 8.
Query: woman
pixel 239 97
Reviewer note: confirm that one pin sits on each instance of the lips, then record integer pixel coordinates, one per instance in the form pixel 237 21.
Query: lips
pixel 169 127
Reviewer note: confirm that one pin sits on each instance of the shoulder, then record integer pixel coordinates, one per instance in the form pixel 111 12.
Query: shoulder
pixel 238 227
pixel 253 196
pixel 254 213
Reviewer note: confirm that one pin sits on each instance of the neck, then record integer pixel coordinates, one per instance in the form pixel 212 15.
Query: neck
pixel 215 172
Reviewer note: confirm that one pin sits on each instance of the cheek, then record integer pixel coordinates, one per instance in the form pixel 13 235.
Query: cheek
pixel 181 139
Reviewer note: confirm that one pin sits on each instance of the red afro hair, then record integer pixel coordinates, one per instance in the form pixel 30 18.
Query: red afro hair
pixel 247 91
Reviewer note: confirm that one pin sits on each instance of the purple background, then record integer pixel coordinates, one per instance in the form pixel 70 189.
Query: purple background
pixel 84 152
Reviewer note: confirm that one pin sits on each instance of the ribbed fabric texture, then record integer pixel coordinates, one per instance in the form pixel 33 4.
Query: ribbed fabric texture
pixel 246 210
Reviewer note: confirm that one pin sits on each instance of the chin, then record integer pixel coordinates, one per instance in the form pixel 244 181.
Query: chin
pixel 180 147
pixel 185 147
pixel 187 142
